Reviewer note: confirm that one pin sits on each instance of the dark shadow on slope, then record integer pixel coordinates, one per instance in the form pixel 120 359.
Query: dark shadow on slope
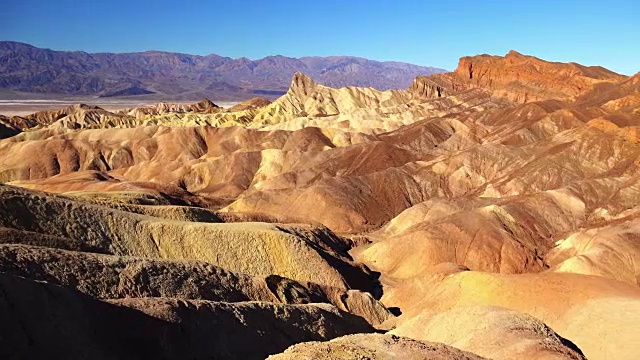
pixel 395 310
pixel 334 250
pixel 568 343
pixel 46 321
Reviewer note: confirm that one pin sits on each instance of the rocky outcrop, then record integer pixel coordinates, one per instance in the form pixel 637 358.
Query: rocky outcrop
pixel 204 106
pixel 429 88
pixel 373 347
pixel 114 277
pixel 517 78
pixel 363 304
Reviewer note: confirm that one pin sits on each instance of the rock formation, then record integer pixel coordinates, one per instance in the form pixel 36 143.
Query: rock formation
pixel 517 78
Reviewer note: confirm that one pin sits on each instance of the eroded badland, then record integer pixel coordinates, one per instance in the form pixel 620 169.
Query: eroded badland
pixel 490 212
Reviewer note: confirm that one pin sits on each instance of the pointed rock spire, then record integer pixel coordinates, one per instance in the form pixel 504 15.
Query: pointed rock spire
pixel 302 85
pixel 513 53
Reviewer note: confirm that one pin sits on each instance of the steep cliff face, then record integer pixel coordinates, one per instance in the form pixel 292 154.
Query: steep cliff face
pixel 517 78
pixel 429 88
pixel 302 86
pixel 522 78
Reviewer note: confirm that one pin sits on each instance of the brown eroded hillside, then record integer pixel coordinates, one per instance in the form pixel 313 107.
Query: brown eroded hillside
pixel 489 212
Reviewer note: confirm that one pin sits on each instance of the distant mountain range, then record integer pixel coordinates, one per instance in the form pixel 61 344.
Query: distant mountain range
pixel 165 75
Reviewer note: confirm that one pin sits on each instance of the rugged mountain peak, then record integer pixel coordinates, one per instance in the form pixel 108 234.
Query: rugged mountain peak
pixel 205 104
pixel 302 85
pixel 513 53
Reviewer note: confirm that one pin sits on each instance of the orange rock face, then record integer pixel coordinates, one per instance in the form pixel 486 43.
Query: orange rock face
pixel 494 209
pixel 521 78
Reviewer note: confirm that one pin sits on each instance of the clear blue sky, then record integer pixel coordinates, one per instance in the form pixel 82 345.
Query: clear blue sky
pixel 434 33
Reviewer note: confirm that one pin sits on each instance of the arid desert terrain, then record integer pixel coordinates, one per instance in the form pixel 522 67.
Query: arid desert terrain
pixel 489 212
